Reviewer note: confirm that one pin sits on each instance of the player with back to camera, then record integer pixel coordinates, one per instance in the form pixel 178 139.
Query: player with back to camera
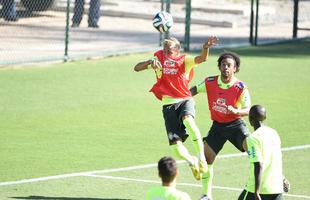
pixel 228 100
pixel 173 73
pixel 168 172
pixel 266 181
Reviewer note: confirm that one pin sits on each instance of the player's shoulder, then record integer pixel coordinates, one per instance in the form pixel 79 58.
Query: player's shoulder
pixel 271 132
pixel 182 195
pixel 241 85
pixel 155 191
pixel 211 78
pixel 186 55
pixel 265 129
pixel 176 194
pixel 188 58
pixel 158 52
pixel 262 132
pixel 255 137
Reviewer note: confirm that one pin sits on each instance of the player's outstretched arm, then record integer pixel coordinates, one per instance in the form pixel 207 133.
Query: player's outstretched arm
pixel 153 63
pixel 205 50
pixel 142 65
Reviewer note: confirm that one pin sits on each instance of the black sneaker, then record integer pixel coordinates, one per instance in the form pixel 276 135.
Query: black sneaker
pixel 93 25
pixel 204 197
pixel 11 19
pixel 75 25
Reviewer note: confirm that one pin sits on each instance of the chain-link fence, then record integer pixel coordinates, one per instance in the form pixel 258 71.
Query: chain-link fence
pixel 107 27
pixel 302 12
pixel 275 21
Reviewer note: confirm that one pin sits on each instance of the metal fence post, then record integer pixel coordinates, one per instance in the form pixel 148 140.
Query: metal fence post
pixel 168 2
pixel 187 25
pixel 165 6
pixel 295 19
pixel 161 35
pixel 256 23
pixel 67 31
pixel 251 22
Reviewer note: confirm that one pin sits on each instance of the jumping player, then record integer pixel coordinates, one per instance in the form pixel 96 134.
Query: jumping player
pixel 174 71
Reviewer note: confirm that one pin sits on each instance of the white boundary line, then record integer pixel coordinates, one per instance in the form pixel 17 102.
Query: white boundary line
pixel 184 184
pixel 125 168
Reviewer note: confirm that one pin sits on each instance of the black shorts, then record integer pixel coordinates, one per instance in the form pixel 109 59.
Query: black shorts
pixel 219 133
pixel 245 195
pixel 173 115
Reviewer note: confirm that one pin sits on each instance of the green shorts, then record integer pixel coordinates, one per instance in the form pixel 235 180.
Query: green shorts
pixel 235 131
pixel 173 115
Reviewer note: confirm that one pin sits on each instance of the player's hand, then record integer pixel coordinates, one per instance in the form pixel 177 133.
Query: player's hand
pixel 156 65
pixel 232 110
pixel 212 41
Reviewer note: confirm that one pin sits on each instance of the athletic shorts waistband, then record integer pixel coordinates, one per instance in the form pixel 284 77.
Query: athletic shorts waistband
pixel 237 121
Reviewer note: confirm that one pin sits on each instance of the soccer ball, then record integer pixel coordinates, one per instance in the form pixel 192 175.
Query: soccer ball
pixel 162 21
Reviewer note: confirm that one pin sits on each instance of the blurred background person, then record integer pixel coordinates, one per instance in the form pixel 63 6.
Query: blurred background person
pixel 8 11
pixel 93 13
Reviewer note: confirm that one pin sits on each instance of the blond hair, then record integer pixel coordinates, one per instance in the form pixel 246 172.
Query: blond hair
pixel 172 42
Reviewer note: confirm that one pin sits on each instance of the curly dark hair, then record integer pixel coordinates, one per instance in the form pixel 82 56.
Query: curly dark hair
pixel 229 54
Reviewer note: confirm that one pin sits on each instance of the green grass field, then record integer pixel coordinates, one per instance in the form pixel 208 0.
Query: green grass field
pixel 95 124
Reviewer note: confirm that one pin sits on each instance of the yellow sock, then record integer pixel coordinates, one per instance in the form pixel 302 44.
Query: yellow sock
pixel 207 181
pixel 195 135
pixel 181 152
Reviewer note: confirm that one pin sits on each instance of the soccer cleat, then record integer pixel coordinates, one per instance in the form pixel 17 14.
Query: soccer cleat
pixel 204 197
pixel 195 169
pixel 203 166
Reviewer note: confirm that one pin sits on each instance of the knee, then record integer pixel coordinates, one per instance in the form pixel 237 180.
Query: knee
pixel 210 160
pixel 187 117
pixel 209 154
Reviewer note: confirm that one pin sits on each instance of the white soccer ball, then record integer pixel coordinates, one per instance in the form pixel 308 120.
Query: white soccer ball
pixel 163 21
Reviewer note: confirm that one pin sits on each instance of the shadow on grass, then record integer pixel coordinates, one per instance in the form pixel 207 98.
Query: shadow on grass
pixel 286 49
pixel 64 198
